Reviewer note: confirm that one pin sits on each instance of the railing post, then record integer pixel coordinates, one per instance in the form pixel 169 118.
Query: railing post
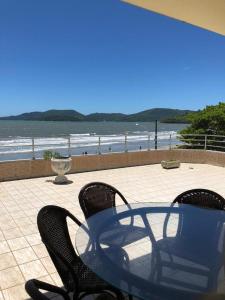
pixel 148 142
pixel 69 146
pixel 156 134
pixel 125 143
pixel 99 145
pixel 33 153
pixel 170 142
pixel 205 146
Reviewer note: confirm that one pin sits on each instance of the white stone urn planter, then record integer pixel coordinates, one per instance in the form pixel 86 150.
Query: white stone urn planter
pixel 61 166
pixel 170 164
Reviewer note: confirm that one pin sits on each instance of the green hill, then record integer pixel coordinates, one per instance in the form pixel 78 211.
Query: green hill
pixel 161 114
pixel 98 117
pixel 49 115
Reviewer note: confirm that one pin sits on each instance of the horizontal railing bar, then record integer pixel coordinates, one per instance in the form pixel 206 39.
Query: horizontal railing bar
pixel 186 139
pixel 215 141
pixel 196 134
pixel 215 135
pixel 12 146
pixel 49 145
pixel 191 145
pixel 192 140
pixel 214 146
pixel 186 134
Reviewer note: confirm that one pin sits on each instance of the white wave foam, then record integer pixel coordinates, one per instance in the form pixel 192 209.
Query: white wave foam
pixel 83 134
pixel 22 145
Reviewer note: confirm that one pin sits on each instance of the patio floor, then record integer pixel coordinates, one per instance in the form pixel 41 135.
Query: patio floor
pixel 23 256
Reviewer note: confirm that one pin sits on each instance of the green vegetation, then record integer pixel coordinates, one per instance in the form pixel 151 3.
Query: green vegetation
pixel 150 115
pixel 47 155
pixel 99 117
pixel 209 121
pixel 181 119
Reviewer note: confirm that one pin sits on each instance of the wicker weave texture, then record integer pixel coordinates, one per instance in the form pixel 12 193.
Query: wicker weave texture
pixel 201 197
pixel 97 196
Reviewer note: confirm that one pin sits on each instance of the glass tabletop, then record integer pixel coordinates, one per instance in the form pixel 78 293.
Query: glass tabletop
pixel 157 250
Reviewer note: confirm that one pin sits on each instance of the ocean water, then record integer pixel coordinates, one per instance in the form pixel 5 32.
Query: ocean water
pixel 83 137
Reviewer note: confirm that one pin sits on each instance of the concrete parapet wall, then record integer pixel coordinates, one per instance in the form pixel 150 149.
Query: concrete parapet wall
pixel 21 169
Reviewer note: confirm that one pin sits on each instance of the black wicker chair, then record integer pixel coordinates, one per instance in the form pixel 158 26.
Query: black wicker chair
pixel 201 197
pixel 76 277
pixel 96 196
pixel 33 286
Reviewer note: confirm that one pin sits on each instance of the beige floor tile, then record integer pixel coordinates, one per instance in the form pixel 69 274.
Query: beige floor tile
pixel 18 243
pixel 12 233
pixel 16 293
pixel 47 279
pixel 56 278
pixel 47 262
pixel 5 218
pixel 2 238
pixel 13 209
pixel 40 250
pixel 23 221
pixel 10 277
pixel 29 229
pixel 33 269
pixel 25 206
pixel 4 248
pixel 24 255
pixel 5 225
pixel 31 212
pixel 7 260
pixel 33 239
pixel 17 215
pixel 22 199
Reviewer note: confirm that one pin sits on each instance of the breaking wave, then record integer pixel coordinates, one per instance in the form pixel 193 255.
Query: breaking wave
pixel 24 144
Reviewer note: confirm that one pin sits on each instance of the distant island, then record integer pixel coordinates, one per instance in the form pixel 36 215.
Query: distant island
pixel 164 115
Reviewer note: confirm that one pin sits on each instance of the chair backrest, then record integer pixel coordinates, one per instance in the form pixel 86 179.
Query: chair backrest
pixel 53 228
pixel 97 196
pixel 201 197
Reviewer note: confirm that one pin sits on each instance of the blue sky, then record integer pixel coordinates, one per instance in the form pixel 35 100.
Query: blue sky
pixel 105 56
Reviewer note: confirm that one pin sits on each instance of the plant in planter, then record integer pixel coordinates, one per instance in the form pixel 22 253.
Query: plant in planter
pixel 60 165
pixel 170 164
pixel 48 155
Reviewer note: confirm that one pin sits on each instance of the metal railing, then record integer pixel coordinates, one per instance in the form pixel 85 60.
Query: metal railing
pixel 32 148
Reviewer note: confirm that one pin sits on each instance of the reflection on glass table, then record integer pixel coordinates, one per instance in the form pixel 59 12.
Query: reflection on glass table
pixel 179 255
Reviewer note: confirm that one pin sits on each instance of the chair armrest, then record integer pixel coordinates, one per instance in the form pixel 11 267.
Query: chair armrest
pixel 32 287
